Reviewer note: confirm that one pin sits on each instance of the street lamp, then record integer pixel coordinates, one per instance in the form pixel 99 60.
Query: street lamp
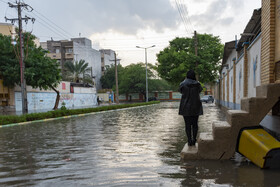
pixel 146 69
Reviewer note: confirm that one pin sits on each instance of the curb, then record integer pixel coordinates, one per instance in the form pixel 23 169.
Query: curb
pixel 66 117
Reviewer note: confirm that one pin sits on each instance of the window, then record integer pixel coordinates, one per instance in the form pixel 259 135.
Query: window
pixel 57 50
pixel 69 50
pixel 63 86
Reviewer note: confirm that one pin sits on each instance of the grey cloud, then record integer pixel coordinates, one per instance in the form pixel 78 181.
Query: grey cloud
pixel 213 16
pixel 126 16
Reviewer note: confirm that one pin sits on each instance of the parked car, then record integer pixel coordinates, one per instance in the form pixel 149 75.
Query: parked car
pixel 152 99
pixel 207 98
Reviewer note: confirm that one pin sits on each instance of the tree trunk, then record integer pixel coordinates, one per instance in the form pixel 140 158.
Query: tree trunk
pixel 57 98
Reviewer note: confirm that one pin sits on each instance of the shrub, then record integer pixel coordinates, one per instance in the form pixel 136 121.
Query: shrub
pixel 64 112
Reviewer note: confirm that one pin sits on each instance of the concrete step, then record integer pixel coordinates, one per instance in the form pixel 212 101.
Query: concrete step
pixel 254 104
pixel 237 117
pixel 268 90
pixel 221 130
pixel 189 152
pixel 209 148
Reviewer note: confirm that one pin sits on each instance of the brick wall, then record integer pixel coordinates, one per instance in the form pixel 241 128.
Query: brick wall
pixel 268 41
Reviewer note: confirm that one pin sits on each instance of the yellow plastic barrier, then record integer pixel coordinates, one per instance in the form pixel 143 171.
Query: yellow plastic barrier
pixel 259 146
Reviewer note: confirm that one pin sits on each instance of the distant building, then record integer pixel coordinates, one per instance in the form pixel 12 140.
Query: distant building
pixel 7 99
pixel 74 50
pixel 7 29
pixel 241 65
pixel 107 59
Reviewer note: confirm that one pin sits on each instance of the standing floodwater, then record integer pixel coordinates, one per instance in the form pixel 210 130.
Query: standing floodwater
pixel 132 147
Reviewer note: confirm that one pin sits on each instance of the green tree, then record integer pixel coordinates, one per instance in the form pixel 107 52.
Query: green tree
pixel 161 85
pixel 40 71
pixel 133 79
pixel 78 71
pixel 179 57
pixel 108 80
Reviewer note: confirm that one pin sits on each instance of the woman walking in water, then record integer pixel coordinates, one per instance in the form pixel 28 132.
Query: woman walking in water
pixel 190 105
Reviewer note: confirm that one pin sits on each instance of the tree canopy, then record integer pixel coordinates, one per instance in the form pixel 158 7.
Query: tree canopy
pixel 40 71
pixel 179 57
pixel 108 80
pixel 78 71
pixel 132 79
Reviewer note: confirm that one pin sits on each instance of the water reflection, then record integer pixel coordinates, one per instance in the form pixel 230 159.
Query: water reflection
pixel 134 147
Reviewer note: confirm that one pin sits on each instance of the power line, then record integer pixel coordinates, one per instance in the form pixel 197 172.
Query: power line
pixel 54 24
pixel 183 13
pixel 187 15
pixel 50 27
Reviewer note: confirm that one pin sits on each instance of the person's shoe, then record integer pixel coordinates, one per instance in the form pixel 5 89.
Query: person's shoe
pixel 193 142
pixel 190 143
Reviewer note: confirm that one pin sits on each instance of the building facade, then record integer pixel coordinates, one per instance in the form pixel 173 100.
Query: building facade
pixel 73 96
pixel 74 50
pixel 253 60
pixel 241 65
pixel 107 59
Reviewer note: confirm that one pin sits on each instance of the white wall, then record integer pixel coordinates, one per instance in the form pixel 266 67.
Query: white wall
pixel 38 101
pixel 239 80
pixel 92 57
pixel 231 86
pixel 45 99
pixel 254 67
pixel 226 87
pixel 63 87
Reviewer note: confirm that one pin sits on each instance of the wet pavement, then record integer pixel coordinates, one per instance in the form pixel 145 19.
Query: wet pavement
pixel 131 147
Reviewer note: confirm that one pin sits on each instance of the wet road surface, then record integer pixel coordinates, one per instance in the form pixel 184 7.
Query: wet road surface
pixel 132 147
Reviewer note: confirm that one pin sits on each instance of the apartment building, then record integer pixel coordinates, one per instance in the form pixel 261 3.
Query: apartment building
pixel 74 50
pixel 107 59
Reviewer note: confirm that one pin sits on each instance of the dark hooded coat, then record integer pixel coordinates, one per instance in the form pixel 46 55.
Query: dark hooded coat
pixel 190 104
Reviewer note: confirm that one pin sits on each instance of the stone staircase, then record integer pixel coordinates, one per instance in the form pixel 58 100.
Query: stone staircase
pixel 221 143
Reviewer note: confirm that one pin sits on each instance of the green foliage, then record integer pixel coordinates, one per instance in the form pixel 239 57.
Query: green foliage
pixel 63 107
pixel 66 112
pixel 40 71
pixel 78 71
pixel 133 79
pixel 9 64
pixel 160 85
pixel 108 79
pixel 175 60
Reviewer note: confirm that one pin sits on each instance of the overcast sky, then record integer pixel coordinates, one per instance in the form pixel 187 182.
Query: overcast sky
pixel 121 25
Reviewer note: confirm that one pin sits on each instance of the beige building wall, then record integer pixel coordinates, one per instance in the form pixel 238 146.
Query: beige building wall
pixel 7 29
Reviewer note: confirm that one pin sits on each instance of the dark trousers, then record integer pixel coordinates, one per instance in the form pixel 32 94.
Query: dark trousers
pixel 191 127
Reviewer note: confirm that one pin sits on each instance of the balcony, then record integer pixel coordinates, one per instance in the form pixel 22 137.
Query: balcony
pixel 69 55
pixel 56 56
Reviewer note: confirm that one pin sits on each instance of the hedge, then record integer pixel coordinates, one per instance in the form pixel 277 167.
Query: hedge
pixel 4 120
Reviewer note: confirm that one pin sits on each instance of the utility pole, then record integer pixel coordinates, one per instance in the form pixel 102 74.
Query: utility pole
pixel 195 52
pixel 19 7
pixel 116 76
pixel 147 90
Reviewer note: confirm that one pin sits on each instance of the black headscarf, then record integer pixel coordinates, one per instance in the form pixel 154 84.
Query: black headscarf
pixel 191 75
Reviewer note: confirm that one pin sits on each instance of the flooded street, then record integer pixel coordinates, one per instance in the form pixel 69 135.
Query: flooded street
pixel 131 147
